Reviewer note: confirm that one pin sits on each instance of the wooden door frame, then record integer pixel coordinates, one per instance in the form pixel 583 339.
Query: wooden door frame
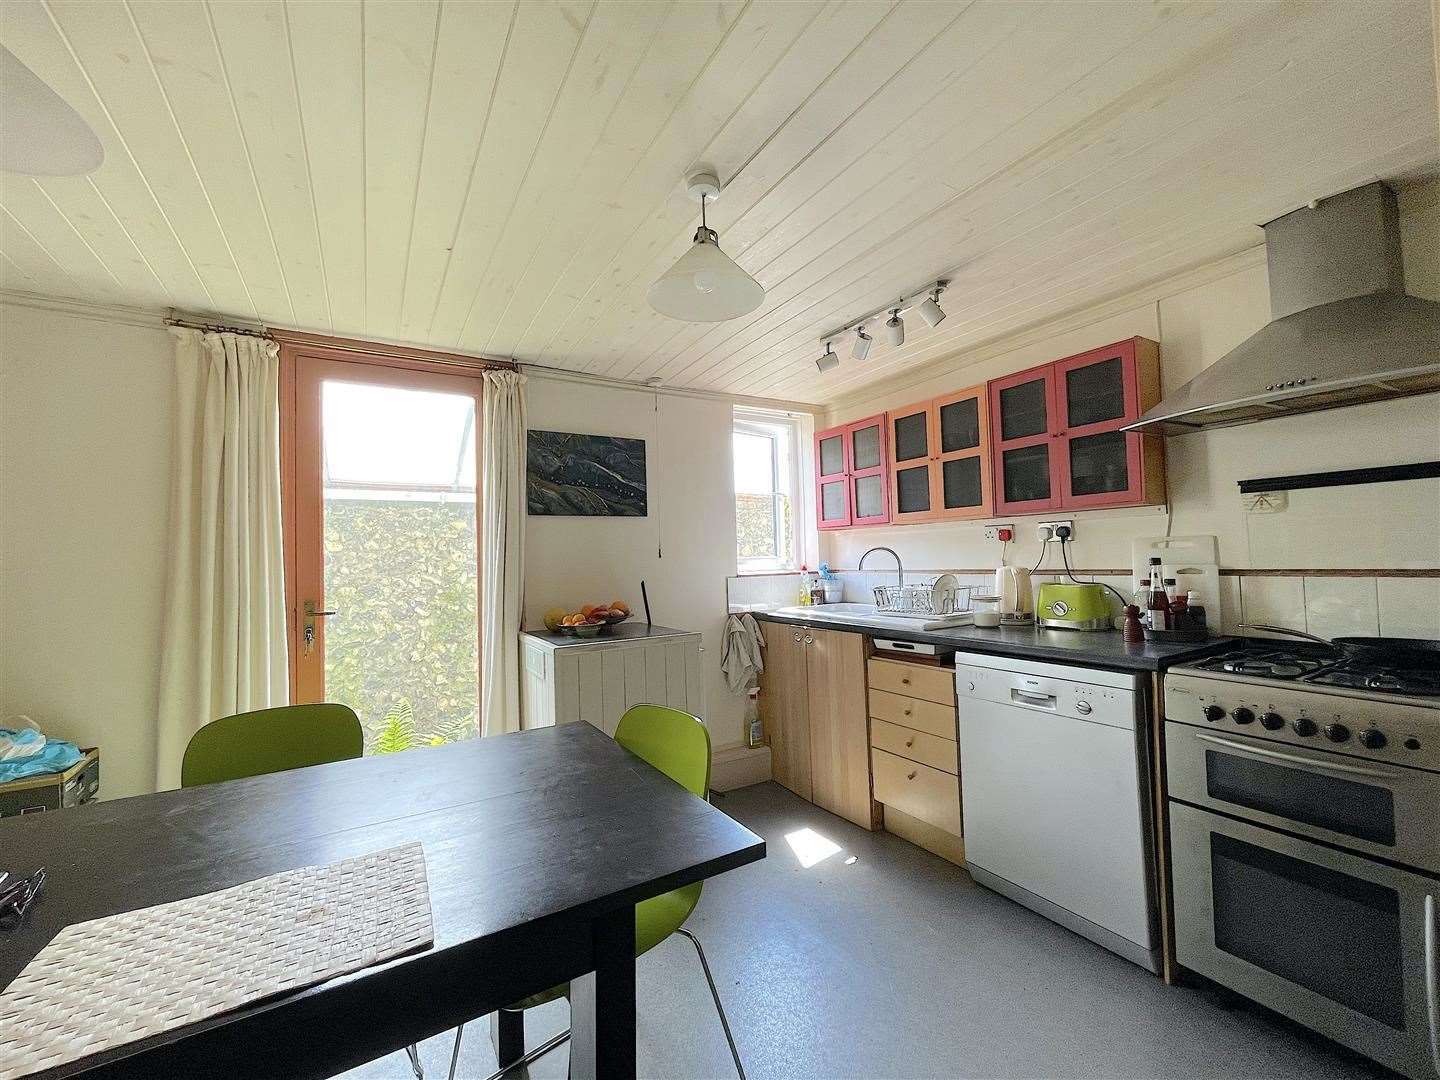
pixel 360 361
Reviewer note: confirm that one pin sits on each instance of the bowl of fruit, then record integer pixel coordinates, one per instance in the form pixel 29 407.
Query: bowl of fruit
pixel 589 621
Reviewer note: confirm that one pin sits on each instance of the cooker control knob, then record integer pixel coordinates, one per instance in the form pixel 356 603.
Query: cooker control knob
pixel 1337 732
pixel 1303 726
pixel 1242 715
pixel 1272 721
pixel 1371 738
pixel 1213 713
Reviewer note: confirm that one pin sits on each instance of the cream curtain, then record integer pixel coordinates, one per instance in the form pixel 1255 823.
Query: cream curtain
pixel 223 638
pixel 502 549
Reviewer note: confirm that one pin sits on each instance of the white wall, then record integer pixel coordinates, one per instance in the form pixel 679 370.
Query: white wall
pixel 85 416
pixel 1196 322
pixel 685 547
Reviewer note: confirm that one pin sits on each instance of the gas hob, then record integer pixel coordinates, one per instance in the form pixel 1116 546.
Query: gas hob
pixel 1312 698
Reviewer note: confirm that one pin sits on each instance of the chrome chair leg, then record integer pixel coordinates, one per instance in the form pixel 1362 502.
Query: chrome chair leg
pixel 525 1059
pixel 414 1055
pixel 719 1008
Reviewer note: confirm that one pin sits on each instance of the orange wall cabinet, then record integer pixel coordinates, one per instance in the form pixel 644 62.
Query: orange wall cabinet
pixel 940 458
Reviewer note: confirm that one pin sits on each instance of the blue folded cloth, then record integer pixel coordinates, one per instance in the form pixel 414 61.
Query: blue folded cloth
pixel 26 752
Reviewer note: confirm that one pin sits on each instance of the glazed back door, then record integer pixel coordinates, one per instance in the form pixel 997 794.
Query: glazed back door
pixel 382 556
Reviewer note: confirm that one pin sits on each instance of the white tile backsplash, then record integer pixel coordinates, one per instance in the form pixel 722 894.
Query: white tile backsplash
pixel 1341 606
pixel 1327 606
pixel 1409 607
pixel 1279 601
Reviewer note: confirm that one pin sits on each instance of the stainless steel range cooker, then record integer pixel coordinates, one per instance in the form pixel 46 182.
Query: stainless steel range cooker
pixel 1305 842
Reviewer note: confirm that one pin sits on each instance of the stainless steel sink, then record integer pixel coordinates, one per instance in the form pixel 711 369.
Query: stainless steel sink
pixel 869 614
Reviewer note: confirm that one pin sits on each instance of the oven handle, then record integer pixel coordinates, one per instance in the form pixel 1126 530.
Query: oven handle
pixel 1432 991
pixel 1331 766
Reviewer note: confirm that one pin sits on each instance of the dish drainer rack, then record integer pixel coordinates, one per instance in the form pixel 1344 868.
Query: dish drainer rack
pixel 922 600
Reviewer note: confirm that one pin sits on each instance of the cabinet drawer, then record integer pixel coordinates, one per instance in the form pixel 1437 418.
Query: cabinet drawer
pixel 916 745
pixel 917 790
pixel 914 680
pixel 927 716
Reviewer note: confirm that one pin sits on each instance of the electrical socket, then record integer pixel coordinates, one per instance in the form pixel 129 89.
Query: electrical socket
pixel 992 532
pixel 1046 530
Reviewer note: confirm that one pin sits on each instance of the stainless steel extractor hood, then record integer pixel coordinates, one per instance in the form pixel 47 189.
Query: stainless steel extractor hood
pixel 1342 328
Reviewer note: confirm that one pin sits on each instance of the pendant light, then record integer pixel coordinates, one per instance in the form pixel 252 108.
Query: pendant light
pixel 705 284
pixel 40 134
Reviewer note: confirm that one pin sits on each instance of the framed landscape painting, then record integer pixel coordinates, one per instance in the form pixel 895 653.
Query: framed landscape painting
pixel 569 475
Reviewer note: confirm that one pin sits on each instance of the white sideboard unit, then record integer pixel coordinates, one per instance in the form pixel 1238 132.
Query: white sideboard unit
pixel 566 679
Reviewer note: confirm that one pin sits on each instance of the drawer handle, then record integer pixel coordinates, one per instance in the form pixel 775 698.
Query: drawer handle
pixel 904 680
pixel 907 710
pixel 910 741
pixel 910 775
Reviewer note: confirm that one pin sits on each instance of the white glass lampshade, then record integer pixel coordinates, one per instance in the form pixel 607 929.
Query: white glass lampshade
pixel 705 285
pixel 40 134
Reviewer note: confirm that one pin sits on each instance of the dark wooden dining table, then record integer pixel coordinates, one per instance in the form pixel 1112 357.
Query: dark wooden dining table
pixel 537 846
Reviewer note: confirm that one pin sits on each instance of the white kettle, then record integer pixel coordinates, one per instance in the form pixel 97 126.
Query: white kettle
pixel 1017 598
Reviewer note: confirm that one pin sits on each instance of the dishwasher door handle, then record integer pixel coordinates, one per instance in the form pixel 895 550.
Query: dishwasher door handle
pixel 1029 697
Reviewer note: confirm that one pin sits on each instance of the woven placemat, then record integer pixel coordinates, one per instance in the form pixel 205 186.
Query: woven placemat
pixel 109 982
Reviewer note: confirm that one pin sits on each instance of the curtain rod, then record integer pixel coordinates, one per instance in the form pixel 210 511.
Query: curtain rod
pixel 218 328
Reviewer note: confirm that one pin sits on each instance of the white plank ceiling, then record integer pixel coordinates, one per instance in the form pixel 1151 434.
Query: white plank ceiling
pixel 508 178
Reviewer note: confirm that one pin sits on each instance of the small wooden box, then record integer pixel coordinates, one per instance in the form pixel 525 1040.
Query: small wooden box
pixel 53 791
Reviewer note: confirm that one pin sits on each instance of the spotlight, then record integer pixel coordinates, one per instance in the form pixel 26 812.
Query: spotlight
pixel 895 328
pixel 930 310
pixel 861 348
pixel 827 361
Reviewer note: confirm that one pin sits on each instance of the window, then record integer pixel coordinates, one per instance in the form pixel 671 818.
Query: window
pixel 766 483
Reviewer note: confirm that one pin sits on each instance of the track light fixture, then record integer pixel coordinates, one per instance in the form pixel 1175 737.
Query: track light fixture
pixel 861 348
pixel 827 360
pixel 895 328
pixel 930 308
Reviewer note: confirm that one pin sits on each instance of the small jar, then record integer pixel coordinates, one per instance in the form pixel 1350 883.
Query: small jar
pixel 986 610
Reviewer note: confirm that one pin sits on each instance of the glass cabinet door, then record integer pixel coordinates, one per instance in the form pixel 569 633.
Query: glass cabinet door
pixel 912 454
pixel 867 447
pixel 963 477
pixel 1096 395
pixel 1023 412
pixel 832 486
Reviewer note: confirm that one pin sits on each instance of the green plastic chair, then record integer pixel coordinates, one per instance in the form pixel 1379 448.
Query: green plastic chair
pixel 271 741
pixel 677 744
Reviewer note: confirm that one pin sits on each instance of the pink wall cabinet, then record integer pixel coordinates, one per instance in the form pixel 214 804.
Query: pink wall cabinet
pixel 852 485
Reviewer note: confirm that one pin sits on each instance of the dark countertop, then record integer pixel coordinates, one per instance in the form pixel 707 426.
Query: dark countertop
pixel 1099 649
pixel 631 630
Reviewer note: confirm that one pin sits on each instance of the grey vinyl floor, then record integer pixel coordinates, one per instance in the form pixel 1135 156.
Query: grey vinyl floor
pixel 883 961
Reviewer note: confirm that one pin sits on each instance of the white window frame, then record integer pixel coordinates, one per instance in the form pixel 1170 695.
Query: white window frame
pixel 775 426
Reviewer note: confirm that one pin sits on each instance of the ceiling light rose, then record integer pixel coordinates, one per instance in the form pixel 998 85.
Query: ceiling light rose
pixel 827 360
pixel 705 284
pixel 861 348
pixel 895 328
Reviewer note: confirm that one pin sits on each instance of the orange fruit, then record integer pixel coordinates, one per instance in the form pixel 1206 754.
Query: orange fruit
pixel 587 609
pixel 620 606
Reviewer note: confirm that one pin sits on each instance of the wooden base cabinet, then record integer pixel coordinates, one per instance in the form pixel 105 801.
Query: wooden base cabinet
pixel 812 699
pixel 914 754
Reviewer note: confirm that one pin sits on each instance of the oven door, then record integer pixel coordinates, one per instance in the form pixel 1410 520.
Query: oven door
pixel 1341 943
pixel 1374 807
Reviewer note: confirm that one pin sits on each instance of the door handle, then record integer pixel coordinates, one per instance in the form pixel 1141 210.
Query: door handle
pixel 1296 759
pixel 307 634
pixel 1432 980
pixel 1032 698
pixel 311 613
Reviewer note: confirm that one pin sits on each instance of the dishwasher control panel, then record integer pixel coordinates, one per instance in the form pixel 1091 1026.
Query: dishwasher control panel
pixel 1101 697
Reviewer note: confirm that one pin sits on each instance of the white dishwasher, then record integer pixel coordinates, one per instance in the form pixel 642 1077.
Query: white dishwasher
pixel 1054 780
